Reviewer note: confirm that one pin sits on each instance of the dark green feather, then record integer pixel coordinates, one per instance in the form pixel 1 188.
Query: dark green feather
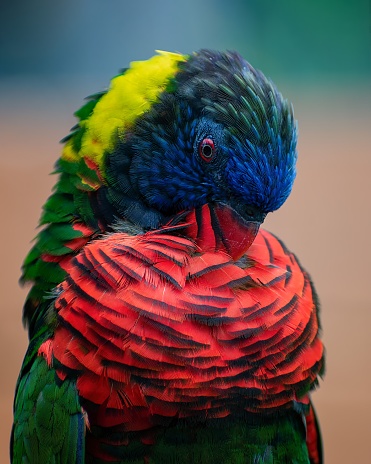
pixel 48 422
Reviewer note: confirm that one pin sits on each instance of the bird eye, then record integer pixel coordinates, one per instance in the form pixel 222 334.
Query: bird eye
pixel 206 149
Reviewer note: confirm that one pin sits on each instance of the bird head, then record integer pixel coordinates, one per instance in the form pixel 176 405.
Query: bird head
pixel 219 134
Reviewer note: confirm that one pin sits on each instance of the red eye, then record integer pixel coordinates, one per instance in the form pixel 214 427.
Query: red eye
pixel 206 149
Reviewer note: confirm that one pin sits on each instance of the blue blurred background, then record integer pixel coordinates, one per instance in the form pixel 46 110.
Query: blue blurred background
pixel 53 54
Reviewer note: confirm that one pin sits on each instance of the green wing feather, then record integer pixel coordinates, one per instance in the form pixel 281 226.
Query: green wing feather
pixel 48 423
pixel 65 210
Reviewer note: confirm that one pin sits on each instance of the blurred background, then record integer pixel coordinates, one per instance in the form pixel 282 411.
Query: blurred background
pixel 53 54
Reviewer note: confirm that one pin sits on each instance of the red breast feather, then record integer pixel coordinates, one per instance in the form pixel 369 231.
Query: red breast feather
pixel 154 328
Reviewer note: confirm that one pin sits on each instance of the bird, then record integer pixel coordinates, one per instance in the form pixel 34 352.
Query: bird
pixel 165 324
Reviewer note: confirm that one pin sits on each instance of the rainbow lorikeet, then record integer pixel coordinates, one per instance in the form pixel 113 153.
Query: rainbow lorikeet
pixel 165 326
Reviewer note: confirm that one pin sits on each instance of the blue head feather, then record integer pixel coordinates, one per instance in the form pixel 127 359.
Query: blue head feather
pixel 262 175
pixel 157 171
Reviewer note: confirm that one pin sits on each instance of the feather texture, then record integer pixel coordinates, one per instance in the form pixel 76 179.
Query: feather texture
pixel 165 326
pixel 170 331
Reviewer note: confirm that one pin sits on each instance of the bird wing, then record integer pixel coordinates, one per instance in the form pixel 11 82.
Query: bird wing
pixel 49 424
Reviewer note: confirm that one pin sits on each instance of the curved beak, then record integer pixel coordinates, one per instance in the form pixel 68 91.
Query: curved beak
pixel 238 231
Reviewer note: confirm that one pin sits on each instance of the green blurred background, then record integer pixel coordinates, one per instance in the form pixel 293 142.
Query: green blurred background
pixel 53 54
pixel 296 40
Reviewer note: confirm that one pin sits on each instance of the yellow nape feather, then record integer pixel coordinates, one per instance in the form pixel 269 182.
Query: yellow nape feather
pixel 129 96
